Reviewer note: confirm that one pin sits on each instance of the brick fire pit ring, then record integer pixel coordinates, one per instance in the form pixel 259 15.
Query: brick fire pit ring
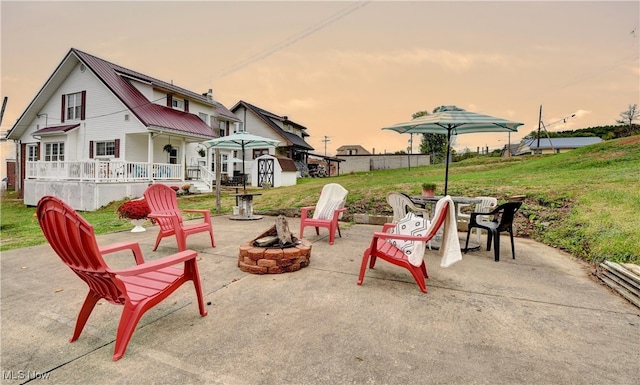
pixel 274 260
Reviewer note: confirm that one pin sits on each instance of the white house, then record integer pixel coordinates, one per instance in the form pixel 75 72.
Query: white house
pixel 98 132
pixel 267 124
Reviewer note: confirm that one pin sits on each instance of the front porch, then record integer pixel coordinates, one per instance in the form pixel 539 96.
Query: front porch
pixel 89 185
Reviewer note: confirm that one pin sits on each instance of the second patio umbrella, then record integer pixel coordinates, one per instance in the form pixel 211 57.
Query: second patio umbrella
pixel 240 141
pixel 451 120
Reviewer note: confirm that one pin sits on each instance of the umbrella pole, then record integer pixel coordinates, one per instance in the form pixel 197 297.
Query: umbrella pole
pixel 446 173
pixel 244 177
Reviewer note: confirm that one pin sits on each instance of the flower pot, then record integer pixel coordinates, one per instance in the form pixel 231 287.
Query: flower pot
pixel 138 225
pixel 428 193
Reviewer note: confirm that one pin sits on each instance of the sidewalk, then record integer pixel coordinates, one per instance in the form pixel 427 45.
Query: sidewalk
pixel 538 319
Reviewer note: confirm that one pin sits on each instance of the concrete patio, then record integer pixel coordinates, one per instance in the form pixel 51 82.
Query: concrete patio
pixel 538 319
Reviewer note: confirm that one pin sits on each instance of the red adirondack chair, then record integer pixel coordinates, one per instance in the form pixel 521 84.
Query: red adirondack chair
pixel 138 288
pixel 163 202
pixel 381 248
pixel 326 212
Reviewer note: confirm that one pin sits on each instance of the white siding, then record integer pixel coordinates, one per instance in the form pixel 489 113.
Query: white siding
pixel 256 126
pixel 104 117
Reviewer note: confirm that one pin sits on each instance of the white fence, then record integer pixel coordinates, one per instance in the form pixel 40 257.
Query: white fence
pixel 103 171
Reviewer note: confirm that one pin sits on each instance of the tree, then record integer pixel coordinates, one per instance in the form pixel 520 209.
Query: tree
pixel 628 117
pixel 433 144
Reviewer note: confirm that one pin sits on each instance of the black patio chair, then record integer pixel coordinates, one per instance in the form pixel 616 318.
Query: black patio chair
pixel 502 221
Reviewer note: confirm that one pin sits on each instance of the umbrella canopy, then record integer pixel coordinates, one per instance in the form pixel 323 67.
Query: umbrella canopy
pixel 451 120
pixel 240 141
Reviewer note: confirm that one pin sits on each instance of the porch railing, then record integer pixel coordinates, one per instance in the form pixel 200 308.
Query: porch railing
pixel 103 171
pixel 207 176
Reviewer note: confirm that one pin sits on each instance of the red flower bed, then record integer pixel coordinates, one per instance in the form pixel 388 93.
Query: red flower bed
pixel 134 209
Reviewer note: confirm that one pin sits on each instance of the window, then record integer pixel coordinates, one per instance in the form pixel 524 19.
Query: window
pixel 179 104
pixel 173 156
pixel 54 152
pixel 223 126
pixel 106 148
pixel 32 152
pixel 225 163
pixel 204 117
pixel 74 106
pixel 259 152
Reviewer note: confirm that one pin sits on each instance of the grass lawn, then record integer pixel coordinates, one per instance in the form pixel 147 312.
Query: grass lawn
pixel 586 201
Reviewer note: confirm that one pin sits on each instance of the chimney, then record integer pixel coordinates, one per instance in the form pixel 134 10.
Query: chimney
pixel 209 95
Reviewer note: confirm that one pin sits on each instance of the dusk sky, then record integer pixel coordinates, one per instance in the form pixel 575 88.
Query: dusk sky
pixel 344 69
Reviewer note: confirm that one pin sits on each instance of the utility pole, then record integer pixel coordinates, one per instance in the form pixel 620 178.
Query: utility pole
pixel 325 140
pixel 541 123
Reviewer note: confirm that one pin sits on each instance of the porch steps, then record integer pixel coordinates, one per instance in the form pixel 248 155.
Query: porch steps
pixel 199 186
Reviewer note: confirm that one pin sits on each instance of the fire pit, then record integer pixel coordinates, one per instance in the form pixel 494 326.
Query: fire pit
pixel 275 251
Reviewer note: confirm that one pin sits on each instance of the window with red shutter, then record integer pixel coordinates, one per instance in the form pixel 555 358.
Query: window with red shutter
pixel 63 110
pixel 83 106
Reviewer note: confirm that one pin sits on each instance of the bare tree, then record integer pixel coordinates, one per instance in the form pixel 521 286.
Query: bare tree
pixel 628 117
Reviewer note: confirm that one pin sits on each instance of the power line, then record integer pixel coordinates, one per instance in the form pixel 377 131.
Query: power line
pixel 294 38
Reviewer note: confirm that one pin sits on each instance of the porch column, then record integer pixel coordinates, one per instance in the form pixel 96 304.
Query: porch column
pixel 183 150
pixel 149 155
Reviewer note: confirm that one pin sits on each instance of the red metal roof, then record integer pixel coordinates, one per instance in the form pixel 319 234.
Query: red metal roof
pixel 150 114
pixel 56 129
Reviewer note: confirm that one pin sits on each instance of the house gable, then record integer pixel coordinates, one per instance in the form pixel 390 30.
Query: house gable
pixel 354 149
pixel 256 118
pixel 143 96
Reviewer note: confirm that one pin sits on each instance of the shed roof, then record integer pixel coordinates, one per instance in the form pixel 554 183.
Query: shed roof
pixel 287 164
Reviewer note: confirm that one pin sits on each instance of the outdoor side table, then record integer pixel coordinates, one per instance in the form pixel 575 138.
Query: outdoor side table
pixel 245 207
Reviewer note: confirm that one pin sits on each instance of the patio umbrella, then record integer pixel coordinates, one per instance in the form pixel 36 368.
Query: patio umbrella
pixel 241 140
pixel 452 120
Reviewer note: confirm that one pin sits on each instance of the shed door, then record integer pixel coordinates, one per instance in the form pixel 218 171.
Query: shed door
pixel 265 171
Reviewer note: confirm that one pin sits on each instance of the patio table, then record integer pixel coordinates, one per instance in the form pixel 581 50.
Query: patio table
pixel 431 201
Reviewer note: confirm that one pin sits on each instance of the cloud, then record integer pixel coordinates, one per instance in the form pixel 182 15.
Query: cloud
pixel 582 113
pixel 450 60
pixel 298 104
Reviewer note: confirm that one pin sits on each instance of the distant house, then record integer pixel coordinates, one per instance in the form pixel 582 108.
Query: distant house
pixel 98 132
pixel 352 149
pixel 554 145
pixel 263 123
pixel 510 150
